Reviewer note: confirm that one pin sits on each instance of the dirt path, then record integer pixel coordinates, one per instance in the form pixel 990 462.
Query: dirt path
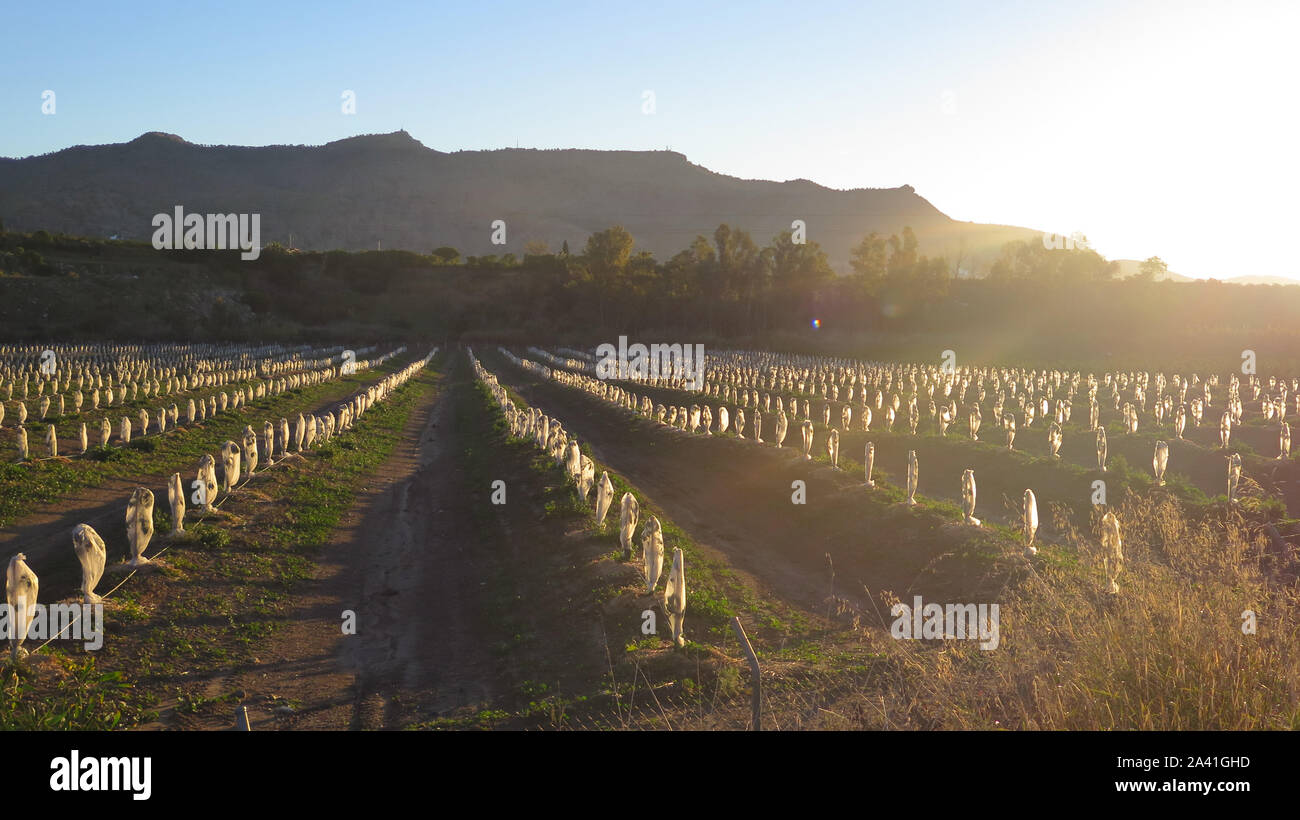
pixel 377 567
pixel 439 585
pixel 413 551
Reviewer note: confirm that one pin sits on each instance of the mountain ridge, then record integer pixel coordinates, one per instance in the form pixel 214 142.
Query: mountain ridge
pixel 393 191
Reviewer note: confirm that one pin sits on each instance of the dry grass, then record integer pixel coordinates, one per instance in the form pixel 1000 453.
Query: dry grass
pixel 1168 652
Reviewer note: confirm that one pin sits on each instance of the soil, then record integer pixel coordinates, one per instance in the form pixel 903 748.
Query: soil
pixel 736 498
pixel 453 616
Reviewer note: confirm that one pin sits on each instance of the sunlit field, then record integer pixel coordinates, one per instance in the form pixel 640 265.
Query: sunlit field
pixel 899 544
pixel 413 380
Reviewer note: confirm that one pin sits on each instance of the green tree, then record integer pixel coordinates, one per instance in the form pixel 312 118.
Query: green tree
pixel 870 262
pixel 605 258
pixel 446 255
pixel 684 279
pixel 736 277
pixel 799 272
pixel 641 280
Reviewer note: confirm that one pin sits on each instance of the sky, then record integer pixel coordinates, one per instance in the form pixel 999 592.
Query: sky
pixel 1152 128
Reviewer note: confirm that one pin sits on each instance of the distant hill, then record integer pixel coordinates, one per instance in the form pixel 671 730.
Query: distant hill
pixel 1129 267
pixel 389 188
pixel 1261 280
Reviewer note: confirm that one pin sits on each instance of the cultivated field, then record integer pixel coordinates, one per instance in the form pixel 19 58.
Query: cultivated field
pixel 401 536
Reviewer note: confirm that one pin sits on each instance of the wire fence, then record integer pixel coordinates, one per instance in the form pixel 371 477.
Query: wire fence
pixel 802 701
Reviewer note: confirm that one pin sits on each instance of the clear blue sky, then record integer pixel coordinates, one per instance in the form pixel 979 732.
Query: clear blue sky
pixel 1153 128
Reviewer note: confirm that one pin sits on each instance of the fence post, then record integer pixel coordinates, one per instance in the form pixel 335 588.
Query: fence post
pixel 754 671
pixel 241 719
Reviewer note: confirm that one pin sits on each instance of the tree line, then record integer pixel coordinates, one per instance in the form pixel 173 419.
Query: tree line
pixel 727 284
